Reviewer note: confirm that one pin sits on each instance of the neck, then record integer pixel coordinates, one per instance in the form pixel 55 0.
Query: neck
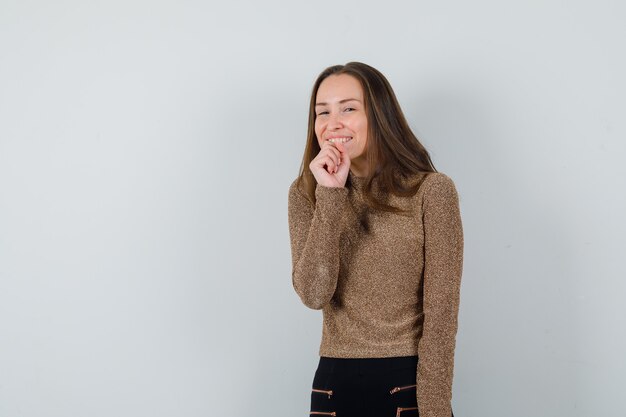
pixel 358 167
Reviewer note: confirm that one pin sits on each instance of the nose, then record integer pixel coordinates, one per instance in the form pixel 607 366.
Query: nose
pixel 334 121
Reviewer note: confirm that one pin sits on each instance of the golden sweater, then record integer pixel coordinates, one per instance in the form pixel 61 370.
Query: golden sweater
pixel 388 284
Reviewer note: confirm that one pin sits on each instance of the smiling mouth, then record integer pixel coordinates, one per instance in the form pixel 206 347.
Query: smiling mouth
pixel 342 139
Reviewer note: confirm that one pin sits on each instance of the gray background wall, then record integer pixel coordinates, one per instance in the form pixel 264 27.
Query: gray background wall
pixel 146 148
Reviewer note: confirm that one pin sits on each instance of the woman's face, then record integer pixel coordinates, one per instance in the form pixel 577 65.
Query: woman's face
pixel 340 115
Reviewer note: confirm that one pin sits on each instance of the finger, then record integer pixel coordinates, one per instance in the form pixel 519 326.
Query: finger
pixel 333 153
pixel 324 161
pixel 342 149
pixel 330 163
pixel 331 149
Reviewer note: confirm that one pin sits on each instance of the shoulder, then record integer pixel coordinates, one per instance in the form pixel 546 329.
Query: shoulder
pixel 297 197
pixel 295 190
pixel 429 181
pixel 439 186
pixel 293 186
pixel 439 179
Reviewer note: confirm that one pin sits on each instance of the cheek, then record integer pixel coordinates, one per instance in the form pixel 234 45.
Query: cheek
pixel 318 128
pixel 363 126
pixel 360 125
pixel 318 135
pixel 363 133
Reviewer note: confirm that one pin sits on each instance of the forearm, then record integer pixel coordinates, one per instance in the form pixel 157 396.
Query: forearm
pixel 315 238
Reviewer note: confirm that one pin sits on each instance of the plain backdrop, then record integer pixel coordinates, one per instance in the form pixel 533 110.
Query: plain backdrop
pixel 146 149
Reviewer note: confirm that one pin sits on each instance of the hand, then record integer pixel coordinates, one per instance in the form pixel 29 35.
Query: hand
pixel 331 166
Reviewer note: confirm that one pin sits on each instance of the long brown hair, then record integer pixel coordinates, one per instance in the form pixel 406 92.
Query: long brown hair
pixel 393 152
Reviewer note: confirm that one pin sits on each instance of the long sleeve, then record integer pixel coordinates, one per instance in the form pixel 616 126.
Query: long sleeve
pixel 315 236
pixel 443 265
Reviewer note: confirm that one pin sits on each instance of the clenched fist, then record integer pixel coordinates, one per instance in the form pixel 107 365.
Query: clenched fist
pixel 331 166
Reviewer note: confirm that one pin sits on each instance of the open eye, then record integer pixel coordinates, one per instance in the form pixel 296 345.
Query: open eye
pixel 349 108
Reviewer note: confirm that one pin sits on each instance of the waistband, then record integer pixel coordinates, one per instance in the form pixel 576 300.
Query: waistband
pixel 366 365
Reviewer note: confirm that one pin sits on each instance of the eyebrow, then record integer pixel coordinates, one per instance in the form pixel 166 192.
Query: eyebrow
pixel 340 101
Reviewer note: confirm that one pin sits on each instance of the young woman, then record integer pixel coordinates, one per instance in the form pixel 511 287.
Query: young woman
pixel 377 244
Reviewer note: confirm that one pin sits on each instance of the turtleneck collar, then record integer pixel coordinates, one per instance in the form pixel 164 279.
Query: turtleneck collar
pixel 357 182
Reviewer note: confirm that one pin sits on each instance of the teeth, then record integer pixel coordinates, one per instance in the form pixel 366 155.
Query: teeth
pixel 342 140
